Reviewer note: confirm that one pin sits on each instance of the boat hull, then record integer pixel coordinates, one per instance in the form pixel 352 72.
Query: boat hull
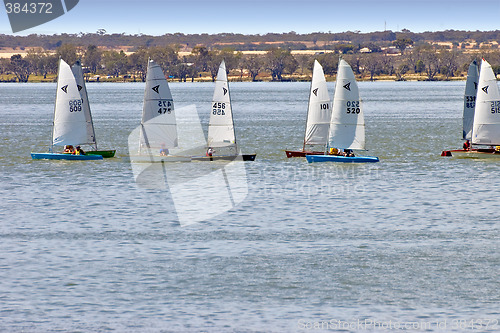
pixel 68 157
pixel 341 159
pixel 302 153
pixel 472 153
pixel 244 157
pixel 103 153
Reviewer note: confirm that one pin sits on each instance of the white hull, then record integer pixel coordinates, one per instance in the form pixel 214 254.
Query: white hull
pixel 487 153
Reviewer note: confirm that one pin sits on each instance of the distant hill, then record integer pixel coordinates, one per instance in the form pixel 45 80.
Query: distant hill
pixel 292 40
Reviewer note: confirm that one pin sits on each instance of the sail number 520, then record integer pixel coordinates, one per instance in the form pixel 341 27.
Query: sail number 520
pixel 218 109
pixel 353 107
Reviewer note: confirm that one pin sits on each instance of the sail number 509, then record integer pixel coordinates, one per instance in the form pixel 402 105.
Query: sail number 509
pixel 353 107
pixel 218 109
pixel 75 105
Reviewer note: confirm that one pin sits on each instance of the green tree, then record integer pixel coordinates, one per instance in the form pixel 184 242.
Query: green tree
pixel 138 63
pixel 254 64
pixel 279 62
pixel 92 59
pixel 402 44
pixel 20 67
pixel 115 63
pixel 68 53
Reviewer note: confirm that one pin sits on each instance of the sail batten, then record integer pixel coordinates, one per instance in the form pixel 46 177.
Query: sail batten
pixel 158 122
pixel 319 109
pixel 486 128
pixel 221 126
pixel 347 124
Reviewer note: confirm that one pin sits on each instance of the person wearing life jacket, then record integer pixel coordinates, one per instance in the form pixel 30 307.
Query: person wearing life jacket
pixel 210 152
pixel 78 151
pixel 466 145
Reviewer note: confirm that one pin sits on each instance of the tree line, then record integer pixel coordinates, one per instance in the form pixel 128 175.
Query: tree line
pixel 430 62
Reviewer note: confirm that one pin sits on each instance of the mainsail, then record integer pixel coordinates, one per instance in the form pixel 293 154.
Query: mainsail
pixel 80 83
pixel 158 124
pixel 347 125
pixel 221 126
pixel 470 99
pixel 486 129
pixel 319 111
pixel 70 121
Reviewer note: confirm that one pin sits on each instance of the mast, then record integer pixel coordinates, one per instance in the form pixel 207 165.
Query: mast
pixel 55 104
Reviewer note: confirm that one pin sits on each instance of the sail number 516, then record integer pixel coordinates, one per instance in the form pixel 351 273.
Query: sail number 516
pixel 495 107
pixel 218 109
pixel 353 107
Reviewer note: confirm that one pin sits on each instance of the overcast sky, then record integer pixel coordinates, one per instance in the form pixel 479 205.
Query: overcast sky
pixel 157 17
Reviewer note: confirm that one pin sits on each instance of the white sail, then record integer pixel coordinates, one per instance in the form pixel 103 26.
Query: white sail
pixel 80 82
pixel 470 99
pixel 70 122
pixel 319 111
pixel 347 125
pixel 158 124
pixel 486 129
pixel 221 126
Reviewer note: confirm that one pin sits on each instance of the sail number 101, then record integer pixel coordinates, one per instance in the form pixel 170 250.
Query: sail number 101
pixel 218 109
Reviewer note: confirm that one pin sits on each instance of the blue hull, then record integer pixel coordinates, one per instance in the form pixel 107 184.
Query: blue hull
pixel 341 159
pixel 69 157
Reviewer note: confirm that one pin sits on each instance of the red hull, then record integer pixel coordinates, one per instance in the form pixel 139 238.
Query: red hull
pixel 302 153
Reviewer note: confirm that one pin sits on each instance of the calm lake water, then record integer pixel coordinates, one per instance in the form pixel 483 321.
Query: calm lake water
pixel 412 239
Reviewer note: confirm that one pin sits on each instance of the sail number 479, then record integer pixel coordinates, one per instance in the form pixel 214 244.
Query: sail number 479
pixel 164 107
pixel 218 109
pixel 353 107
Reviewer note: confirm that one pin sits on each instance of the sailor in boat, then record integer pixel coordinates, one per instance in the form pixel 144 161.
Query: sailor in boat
pixel 466 145
pixel 163 151
pixel 210 152
pixel 79 151
pixel 348 153
pixel 333 151
pixel 68 149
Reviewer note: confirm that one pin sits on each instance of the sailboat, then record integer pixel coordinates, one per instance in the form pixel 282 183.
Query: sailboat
pixel 158 129
pixel 347 124
pixel 318 115
pixel 80 81
pixel 221 141
pixel 72 126
pixel 486 124
pixel 469 107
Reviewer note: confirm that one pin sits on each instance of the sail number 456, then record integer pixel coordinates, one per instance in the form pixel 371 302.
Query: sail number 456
pixel 353 107
pixel 218 109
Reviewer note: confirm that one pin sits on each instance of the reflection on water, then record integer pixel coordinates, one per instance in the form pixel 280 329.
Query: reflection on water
pixel 412 238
